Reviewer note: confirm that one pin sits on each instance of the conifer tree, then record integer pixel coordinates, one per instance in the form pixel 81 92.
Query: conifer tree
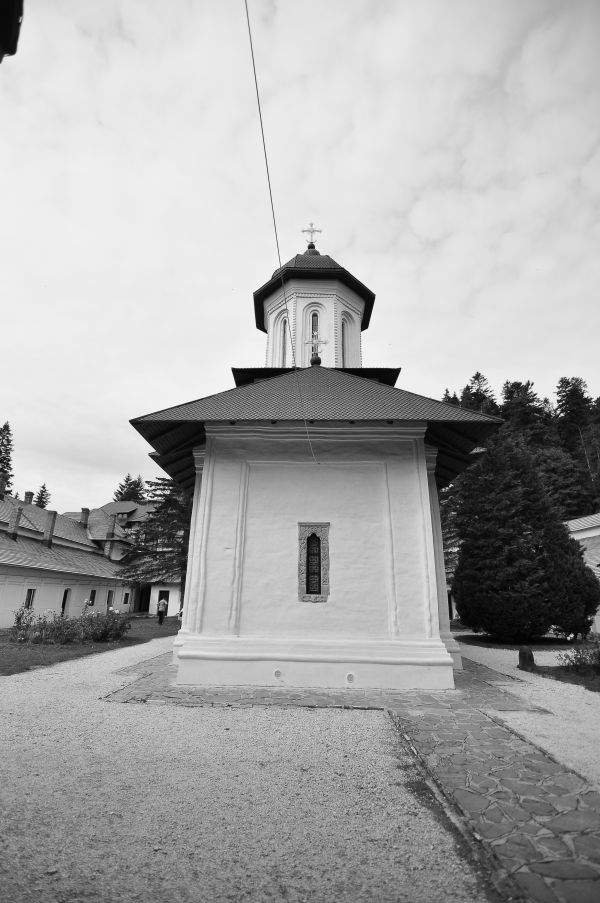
pixel 131 489
pixel 517 564
pixel 451 399
pixel 42 497
pixel 6 449
pixel 160 546
pixel 574 408
pixel 477 395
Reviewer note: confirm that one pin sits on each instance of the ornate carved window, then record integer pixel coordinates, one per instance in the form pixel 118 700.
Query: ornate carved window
pixel 313 562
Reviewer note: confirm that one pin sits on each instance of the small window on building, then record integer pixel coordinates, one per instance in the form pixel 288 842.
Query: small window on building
pixel 313 562
pixel 314 329
pixel 344 344
pixel 64 606
pixel 284 343
pixel 29 597
pixel 109 599
pixel 126 599
pixel 92 598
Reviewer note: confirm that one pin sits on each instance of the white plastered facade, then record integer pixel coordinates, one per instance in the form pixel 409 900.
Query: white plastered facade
pixel 385 617
pixel 49 590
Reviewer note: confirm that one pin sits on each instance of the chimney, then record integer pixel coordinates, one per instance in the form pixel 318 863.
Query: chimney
pixel 13 526
pixel 112 532
pixel 3 482
pixel 85 516
pixel 29 498
pixel 49 530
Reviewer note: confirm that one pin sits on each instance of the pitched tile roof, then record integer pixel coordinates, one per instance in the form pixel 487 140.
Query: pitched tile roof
pixel 26 552
pixel 34 518
pixel 583 523
pixel 314 394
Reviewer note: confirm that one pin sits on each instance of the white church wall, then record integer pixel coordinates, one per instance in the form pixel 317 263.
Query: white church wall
pixel 49 589
pixel 370 486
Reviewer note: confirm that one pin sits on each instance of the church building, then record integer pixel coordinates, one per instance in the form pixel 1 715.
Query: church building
pixel 315 556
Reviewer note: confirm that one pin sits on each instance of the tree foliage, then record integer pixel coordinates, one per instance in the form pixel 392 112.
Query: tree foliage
pixel 6 449
pixel 42 497
pixel 130 489
pixel 562 445
pixel 518 571
pixel 160 545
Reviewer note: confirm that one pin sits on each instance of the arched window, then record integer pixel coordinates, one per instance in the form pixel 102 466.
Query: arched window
pixel 344 343
pixel 313 564
pixel 284 343
pixel 314 329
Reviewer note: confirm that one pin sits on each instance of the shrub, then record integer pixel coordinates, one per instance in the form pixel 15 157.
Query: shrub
pixel 50 627
pixel 100 628
pixel 584 658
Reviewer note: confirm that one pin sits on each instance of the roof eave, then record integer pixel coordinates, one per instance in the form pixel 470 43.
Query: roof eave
pixel 342 275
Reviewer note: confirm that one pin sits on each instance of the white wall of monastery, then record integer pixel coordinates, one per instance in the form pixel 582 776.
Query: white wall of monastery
pixel 49 589
pixel 174 592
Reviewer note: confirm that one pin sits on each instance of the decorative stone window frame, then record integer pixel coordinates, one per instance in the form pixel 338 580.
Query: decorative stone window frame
pixel 304 531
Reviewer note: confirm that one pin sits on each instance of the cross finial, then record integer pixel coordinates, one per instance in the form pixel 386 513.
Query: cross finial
pixel 311 232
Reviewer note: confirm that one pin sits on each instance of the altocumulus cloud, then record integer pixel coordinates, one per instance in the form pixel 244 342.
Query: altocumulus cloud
pixel 450 152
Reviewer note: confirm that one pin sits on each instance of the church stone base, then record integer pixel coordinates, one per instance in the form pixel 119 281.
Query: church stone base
pixel 387 665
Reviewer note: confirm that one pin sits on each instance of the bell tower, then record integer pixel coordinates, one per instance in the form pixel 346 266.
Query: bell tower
pixel 318 305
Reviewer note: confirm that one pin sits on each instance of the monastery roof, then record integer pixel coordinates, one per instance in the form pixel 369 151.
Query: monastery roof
pixel 314 394
pixel 583 523
pixel 26 552
pixel 36 519
pixel 311 265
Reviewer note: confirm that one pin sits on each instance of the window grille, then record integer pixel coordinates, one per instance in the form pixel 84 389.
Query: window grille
pixel 313 565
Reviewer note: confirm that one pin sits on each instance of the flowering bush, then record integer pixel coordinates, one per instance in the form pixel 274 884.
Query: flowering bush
pixel 51 627
pixel 100 628
pixel 583 658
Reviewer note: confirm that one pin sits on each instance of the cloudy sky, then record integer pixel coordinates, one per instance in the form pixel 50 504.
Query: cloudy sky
pixel 450 151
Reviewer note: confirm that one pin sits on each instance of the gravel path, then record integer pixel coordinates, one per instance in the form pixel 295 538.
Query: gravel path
pixel 109 802
pixel 571 733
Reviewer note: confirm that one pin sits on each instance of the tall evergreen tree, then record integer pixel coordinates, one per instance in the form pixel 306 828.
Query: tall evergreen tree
pixel 160 546
pixel 477 395
pixel 6 449
pixel 574 409
pixel 42 497
pixel 516 562
pixel 131 489
pixel 451 399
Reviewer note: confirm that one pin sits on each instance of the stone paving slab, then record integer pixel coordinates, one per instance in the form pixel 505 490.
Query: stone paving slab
pixel 538 822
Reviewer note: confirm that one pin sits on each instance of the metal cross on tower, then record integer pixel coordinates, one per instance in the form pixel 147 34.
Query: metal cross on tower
pixel 311 231
pixel 316 342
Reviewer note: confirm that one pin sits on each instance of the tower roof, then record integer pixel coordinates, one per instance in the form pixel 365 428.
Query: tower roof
pixel 311 265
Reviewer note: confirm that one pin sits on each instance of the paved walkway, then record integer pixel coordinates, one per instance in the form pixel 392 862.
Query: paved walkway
pixel 537 822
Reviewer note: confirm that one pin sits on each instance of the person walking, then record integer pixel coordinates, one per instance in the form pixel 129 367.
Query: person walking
pixel 162 610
